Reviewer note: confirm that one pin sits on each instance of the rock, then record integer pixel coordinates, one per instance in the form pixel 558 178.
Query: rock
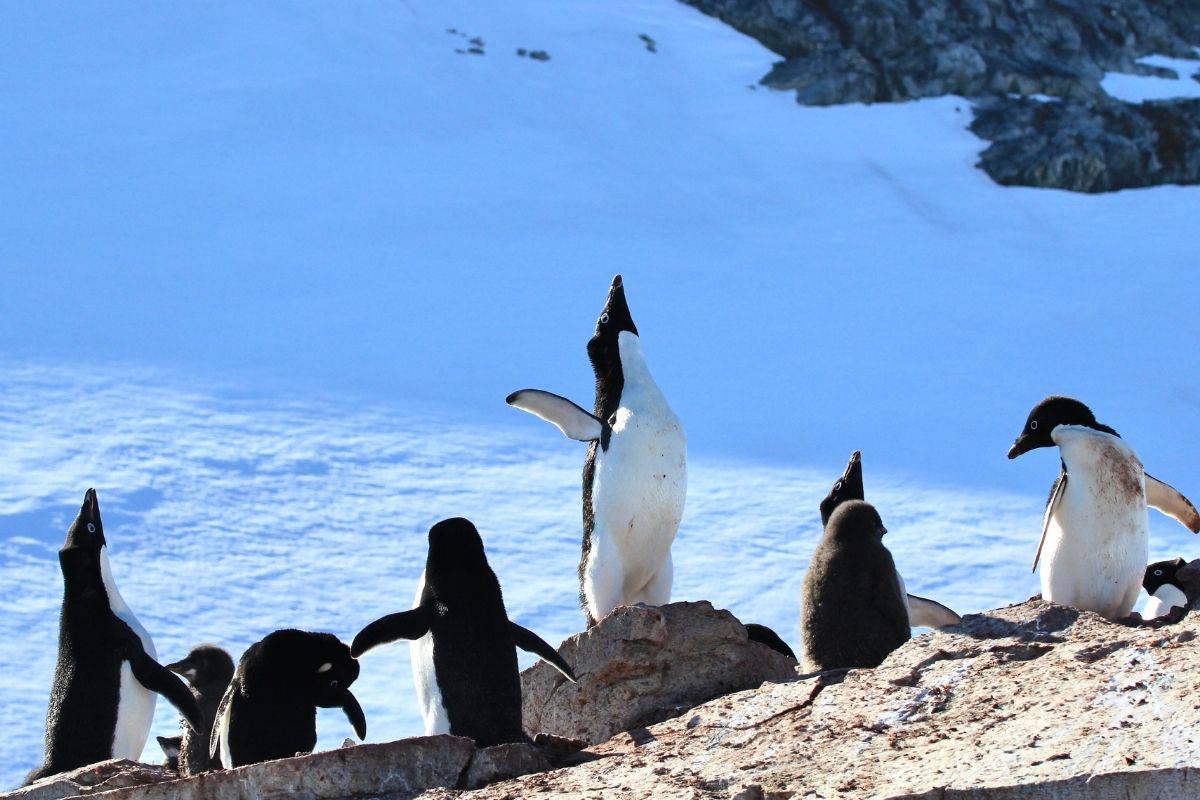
pixel 502 762
pixel 102 777
pixel 864 51
pixel 641 665
pixel 1031 701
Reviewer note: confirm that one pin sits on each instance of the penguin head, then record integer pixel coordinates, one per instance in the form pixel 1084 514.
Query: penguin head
pixel 1161 573
pixel 603 348
pixel 205 665
pixel 855 521
pixel 312 667
pixel 454 546
pixel 848 487
pixel 1048 415
pixel 87 531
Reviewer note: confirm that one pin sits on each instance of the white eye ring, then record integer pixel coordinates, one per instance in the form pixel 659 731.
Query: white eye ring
pixel 837 487
pixel 91 528
pixel 1158 572
pixel 604 318
pixel 324 668
pixel 1033 425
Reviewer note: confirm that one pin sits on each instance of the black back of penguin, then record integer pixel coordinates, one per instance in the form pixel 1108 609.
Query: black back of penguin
pixel 474 657
pixel 853 613
pixel 270 708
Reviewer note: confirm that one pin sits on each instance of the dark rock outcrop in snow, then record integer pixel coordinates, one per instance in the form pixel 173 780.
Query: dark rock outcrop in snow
pixel 847 51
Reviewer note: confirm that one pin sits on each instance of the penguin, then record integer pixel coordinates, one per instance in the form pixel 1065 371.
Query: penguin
pixel 852 610
pixel 107 674
pixel 1094 530
pixel 764 635
pixel 922 612
pixel 269 710
pixel 635 472
pixel 170 746
pixel 1164 589
pixel 208 670
pixel 464 659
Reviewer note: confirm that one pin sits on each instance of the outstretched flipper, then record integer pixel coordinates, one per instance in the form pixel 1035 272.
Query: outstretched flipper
pixel 1169 501
pixel 411 624
pixel 157 678
pixel 1056 493
pixel 530 642
pixel 573 421
pixel 221 723
pixel 926 613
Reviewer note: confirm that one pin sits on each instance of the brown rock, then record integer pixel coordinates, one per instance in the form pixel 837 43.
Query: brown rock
pixel 641 665
pixel 502 762
pixel 102 777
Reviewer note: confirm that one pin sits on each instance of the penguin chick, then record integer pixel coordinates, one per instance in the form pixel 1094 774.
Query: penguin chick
pixel 208 670
pixel 852 609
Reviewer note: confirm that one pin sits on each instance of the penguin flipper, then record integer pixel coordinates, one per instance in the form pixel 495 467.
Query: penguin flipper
pixel 764 635
pixel 530 642
pixel 1056 493
pixel 1169 501
pixel 926 613
pixel 157 678
pixel 573 421
pixel 411 624
pixel 354 713
pixel 220 722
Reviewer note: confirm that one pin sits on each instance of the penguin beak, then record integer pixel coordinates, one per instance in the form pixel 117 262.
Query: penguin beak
pixel 354 713
pixel 185 668
pixel 1021 445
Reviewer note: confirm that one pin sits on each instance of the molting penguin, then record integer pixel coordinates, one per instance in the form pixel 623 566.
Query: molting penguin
pixel 635 473
pixel 208 670
pixel 1163 587
pixel 269 710
pixel 106 677
pixel 922 612
pixel 464 659
pixel 852 611
pixel 1094 530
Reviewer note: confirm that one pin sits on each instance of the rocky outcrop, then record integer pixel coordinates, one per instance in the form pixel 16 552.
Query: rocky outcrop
pixel 642 665
pixel 891 50
pixel 1031 701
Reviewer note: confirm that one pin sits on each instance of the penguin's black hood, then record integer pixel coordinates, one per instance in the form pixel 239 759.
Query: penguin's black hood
pixel 1048 415
pixel 604 350
pixel 87 531
pixel 847 487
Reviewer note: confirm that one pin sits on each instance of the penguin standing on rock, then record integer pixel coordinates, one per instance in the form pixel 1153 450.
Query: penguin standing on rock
pixel 464 659
pixel 852 610
pixel 1094 532
pixel 208 670
pixel 269 710
pixel 635 473
pixel 107 675
pixel 922 612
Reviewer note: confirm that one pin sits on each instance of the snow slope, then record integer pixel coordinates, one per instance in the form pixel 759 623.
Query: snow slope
pixel 269 272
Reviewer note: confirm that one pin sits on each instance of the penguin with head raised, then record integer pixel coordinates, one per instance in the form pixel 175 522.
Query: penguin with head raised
pixel 1094 531
pixel 635 473
pixel 922 612
pixel 208 670
pixel 464 659
pixel 107 675
pixel 269 710
pixel 1165 590
pixel 852 610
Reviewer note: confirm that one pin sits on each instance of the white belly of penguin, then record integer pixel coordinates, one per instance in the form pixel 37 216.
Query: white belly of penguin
pixel 429 694
pixel 638 493
pixel 135 706
pixel 1096 543
pixel 1162 601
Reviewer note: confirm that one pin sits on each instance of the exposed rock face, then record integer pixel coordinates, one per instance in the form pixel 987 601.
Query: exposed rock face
pixel 889 50
pixel 1031 701
pixel 641 665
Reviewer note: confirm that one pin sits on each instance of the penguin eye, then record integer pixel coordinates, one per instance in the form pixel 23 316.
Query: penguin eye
pixel 604 318
pixel 1033 425
pixel 837 487
pixel 91 528
pixel 1158 572
pixel 324 668
pixel 333 684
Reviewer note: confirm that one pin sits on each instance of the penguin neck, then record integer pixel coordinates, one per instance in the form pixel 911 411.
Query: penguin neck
pixel 119 607
pixel 639 387
pixel 1171 595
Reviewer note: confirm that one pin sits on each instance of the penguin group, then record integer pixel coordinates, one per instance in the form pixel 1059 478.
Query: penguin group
pixel 854 607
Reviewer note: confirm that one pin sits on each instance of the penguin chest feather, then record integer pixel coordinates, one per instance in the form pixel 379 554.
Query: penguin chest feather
pixel 429 694
pixel 1096 539
pixel 135 706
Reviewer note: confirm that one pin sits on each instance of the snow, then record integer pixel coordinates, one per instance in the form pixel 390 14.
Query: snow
pixel 268 277
pixel 1140 88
